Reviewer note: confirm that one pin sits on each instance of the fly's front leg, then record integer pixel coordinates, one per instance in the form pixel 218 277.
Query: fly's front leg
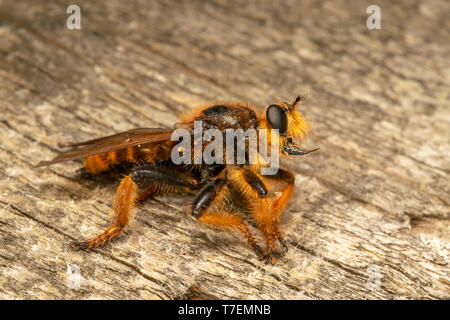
pixel 281 201
pixel 156 178
pixel 267 197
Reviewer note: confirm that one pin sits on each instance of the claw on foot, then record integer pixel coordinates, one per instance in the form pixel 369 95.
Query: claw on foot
pixel 80 245
pixel 264 255
pixel 259 252
pixel 269 258
pixel 283 245
pixel 98 241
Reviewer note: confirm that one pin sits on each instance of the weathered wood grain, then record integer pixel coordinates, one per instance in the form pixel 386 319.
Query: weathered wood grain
pixel 376 195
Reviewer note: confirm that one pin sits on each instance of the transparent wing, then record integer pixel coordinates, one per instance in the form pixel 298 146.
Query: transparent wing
pixel 110 143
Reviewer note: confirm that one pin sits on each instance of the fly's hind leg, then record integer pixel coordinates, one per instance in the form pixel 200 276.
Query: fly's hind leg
pixel 123 206
pixel 157 178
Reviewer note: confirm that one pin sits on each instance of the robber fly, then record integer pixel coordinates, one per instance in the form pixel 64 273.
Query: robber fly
pixel 228 196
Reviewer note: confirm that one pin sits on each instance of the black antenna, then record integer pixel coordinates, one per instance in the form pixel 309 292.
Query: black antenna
pixel 297 100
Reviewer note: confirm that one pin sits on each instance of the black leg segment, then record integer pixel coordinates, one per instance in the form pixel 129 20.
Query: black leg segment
pixel 147 174
pixel 206 196
pixel 255 182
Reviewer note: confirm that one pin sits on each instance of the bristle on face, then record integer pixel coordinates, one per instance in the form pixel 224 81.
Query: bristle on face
pixel 297 125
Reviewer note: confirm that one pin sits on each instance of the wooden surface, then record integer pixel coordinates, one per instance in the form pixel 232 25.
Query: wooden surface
pixel 376 195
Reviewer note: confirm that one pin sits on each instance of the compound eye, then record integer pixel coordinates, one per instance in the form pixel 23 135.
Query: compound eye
pixel 277 118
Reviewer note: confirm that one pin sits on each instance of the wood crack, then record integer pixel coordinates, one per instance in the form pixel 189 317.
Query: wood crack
pixel 56 230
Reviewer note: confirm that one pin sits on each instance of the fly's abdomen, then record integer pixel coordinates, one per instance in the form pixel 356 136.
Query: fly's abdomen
pixel 104 161
pixel 141 153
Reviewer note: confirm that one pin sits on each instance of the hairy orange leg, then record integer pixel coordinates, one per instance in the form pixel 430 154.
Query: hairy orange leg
pixel 277 203
pixel 229 221
pixel 267 197
pixel 161 180
pixel 208 209
pixel 123 205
